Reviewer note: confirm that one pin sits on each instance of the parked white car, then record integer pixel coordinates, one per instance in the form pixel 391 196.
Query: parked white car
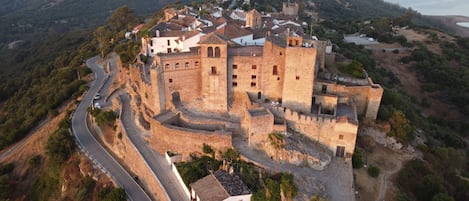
pixel 97 96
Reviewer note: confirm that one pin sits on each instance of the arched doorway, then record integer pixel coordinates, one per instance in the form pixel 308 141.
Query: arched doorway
pixel 176 98
pixel 259 95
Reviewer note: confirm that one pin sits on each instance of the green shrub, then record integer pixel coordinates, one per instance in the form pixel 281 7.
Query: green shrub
pixel 35 160
pixel 373 171
pixel 357 159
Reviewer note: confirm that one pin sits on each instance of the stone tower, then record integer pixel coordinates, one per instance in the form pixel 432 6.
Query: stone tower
pixel 300 63
pixel 213 49
pixel 374 99
pixel 289 8
pixel 253 19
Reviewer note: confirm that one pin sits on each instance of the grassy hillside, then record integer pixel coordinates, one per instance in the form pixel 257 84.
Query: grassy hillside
pixel 45 69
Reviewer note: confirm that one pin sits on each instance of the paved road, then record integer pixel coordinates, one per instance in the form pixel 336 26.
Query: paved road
pixel 95 151
pixel 156 162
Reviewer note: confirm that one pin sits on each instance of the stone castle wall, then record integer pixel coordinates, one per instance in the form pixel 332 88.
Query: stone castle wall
pixel 125 150
pixel 181 73
pixel 325 129
pixel 185 141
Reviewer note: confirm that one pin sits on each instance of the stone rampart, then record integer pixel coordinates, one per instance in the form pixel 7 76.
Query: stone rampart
pixel 325 129
pixel 166 137
pixel 126 151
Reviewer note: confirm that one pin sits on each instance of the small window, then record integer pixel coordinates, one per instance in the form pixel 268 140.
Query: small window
pixel 278 78
pixel 341 137
pixel 177 65
pixel 169 42
pixel 170 80
pixel 151 43
pixel 166 66
pixel 253 84
pixel 235 66
pixel 152 50
pixel 324 89
pixel 187 65
pixel 234 84
pixel 274 70
pixel 235 77
pixel 169 50
pixel 253 67
pixel 214 70
pixel 196 64
pixel 217 52
pixel 210 51
pixel 253 77
pixel 280 53
pixel 297 77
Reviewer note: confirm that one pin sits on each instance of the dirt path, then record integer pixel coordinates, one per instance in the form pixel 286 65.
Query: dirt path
pixel 384 180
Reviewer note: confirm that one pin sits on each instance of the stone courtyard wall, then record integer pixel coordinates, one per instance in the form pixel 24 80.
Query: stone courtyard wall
pixel 185 141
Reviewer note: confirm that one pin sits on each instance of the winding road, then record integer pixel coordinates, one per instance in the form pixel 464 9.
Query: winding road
pixel 156 162
pixel 91 146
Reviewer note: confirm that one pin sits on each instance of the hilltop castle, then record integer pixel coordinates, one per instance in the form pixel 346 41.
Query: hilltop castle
pixel 245 73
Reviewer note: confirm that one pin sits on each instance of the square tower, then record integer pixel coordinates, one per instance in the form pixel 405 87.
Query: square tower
pixel 213 59
pixel 300 64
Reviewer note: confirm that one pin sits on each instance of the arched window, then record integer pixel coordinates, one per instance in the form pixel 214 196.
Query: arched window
pixel 210 51
pixel 217 52
pixel 187 65
pixel 196 64
pixel 166 66
pixel 176 65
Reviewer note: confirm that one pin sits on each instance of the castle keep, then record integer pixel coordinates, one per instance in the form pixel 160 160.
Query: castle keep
pixel 216 76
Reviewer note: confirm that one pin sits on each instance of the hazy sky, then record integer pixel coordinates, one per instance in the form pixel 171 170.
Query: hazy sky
pixel 436 7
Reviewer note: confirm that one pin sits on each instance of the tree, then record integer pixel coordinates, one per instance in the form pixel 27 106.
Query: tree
pixel 317 198
pixel 230 155
pixel 60 145
pixel 357 159
pixel 102 34
pixel 401 126
pixel 373 171
pixel 288 187
pixel 442 197
pixel 207 149
pixel 122 18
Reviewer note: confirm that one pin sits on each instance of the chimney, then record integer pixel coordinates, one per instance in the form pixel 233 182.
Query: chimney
pixel 157 33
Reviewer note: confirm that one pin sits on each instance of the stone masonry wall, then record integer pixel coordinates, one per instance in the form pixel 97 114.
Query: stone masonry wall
pixel 126 152
pixel 186 141
pixel 324 129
